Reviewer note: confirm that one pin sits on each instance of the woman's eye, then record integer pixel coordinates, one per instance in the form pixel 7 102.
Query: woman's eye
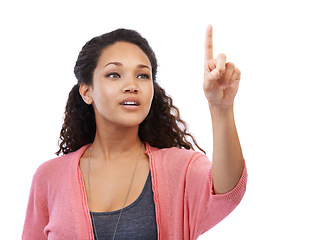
pixel 113 75
pixel 144 76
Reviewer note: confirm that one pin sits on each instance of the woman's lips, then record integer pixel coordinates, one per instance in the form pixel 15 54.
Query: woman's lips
pixel 130 103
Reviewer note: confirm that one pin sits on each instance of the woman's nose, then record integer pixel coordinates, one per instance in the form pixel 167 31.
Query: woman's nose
pixel 130 86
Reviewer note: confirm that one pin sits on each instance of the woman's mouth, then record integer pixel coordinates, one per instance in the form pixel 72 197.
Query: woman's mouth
pixel 130 103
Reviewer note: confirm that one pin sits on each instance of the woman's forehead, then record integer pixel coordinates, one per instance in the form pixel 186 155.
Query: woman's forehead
pixel 121 52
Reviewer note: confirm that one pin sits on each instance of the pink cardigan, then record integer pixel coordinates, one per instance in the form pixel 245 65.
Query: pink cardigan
pixel 184 200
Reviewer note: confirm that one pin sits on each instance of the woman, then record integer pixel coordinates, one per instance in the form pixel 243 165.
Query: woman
pixel 128 170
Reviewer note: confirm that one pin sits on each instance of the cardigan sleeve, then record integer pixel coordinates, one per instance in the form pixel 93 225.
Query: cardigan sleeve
pixel 37 215
pixel 207 209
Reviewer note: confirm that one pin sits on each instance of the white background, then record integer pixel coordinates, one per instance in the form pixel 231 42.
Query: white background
pixel 270 41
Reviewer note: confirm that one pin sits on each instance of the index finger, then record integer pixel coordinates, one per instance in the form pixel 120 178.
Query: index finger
pixel 208 43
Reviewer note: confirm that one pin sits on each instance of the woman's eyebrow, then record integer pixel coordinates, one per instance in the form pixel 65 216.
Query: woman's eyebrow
pixel 120 64
pixel 143 66
pixel 115 63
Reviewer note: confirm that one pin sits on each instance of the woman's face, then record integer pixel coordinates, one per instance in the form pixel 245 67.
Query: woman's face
pixel 122 90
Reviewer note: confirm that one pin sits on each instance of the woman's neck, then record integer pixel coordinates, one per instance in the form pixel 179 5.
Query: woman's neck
pixel 112 144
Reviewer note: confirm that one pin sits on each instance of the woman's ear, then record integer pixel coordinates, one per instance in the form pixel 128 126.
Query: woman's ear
pixel 85 92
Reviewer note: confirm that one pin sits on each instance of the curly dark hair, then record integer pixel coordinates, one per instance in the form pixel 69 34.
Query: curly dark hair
pixel 162 128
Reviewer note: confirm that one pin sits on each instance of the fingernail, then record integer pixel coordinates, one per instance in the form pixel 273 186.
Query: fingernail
pixel 214 73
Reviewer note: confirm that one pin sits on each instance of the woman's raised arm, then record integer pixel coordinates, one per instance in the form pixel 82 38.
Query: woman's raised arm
pixel 221 80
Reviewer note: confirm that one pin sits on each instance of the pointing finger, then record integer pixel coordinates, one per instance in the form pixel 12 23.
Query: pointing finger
pixel 208 43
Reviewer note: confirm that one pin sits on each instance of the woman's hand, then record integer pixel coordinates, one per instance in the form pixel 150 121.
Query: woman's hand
pixel 221 78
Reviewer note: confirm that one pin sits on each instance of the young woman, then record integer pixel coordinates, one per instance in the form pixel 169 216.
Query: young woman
pixel 128 169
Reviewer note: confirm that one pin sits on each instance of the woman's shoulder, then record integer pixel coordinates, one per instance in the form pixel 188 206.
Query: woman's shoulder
pixel 56 167
pixel 175 154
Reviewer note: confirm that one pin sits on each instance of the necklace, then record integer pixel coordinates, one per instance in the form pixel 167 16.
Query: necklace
pixel 89 186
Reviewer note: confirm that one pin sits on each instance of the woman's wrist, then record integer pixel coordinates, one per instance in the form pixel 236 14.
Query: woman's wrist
pixel 219 113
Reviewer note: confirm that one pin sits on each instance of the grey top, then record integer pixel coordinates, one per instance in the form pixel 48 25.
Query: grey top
pixel 138 220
